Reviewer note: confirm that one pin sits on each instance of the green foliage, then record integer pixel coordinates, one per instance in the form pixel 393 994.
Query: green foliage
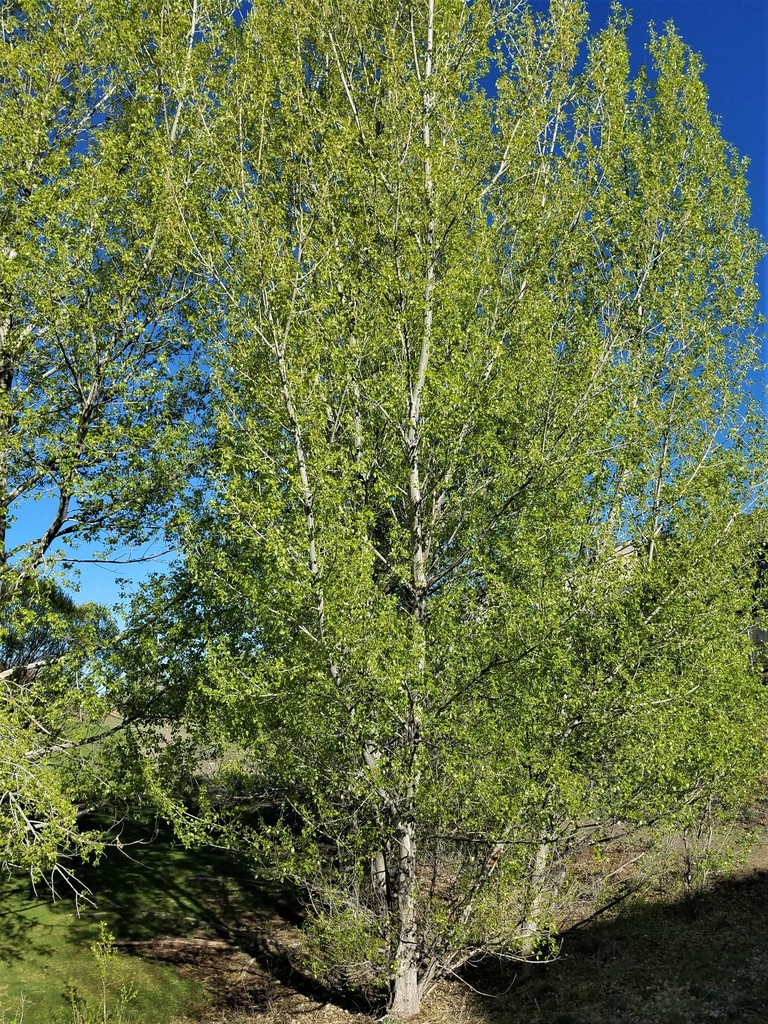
pixel 51 707
pixel 97 387
pixel 345 948
pixel 43 625
pixel 469 576
pixel 95 299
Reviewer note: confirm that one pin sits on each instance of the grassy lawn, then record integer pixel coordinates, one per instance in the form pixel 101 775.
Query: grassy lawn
pixel 46 960
pixel 149 889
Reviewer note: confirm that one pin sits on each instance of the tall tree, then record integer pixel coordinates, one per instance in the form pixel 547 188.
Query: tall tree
pixel 467 572
pixel 96 139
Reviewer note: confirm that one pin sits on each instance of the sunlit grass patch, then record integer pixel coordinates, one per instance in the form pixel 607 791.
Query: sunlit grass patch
pixel 50 968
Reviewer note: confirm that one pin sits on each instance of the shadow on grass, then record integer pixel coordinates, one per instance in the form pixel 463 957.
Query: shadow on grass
pixel 150 885
pixel 152 888
pixel 17 921
pixel 654 964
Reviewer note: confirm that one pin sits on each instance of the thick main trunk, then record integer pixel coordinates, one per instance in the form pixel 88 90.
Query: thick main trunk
pixel 406 995
pixel 406 999
pixel 532 923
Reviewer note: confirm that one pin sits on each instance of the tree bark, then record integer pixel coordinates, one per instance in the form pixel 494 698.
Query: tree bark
pixel 406 999
pixel 6 422
pixel 379 882
pixel 532 923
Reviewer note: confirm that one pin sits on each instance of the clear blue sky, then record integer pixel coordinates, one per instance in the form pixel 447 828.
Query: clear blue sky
pixel 731 36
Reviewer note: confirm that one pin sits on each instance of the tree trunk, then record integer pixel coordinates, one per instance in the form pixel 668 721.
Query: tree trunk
pixel 406 996
pixel 379 882
pixel 532 923
pixel 6 422
pixel 406 999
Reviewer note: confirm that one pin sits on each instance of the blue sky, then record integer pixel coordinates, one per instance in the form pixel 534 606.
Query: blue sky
pixel 732 38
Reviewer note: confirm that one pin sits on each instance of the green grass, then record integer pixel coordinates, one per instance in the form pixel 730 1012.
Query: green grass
pixel 152 888
pixel 46 959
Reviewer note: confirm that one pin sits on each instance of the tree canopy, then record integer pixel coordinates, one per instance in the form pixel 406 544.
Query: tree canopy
pixel 471 549
pixel 465 576
pixel 95 301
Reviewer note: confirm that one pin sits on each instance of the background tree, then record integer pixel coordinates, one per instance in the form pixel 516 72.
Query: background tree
pixel 468 575
pixel 45 625
pixel 96 141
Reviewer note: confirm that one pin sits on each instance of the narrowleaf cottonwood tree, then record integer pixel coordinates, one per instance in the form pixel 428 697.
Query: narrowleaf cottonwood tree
pixel 95 143
pixel 467 573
